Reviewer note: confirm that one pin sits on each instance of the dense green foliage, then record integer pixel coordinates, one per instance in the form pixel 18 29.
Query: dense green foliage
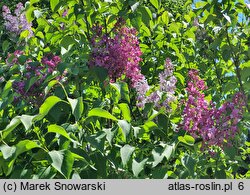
pixel 87 127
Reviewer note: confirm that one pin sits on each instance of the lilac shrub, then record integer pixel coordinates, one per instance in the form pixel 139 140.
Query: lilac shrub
pixel 216 126
pixel 17 22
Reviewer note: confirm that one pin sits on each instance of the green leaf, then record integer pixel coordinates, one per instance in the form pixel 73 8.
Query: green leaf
pixel 26 145
pixel 98 112
pixel 22 59
pixel 100 164
pixel 62 161
pixel 169 149
pixel 149 126
pixel 155 3
pixel 110 133
pixel 138 167
pixel 160 153
pixel 125 111
pixel 187 139
pixel 6 89
pixel 227 18
pixel 27 121
pixel 125 127
pixel 24 34
pixel 58 129
pixel 97 140
pixel 67 41
pixel 11 153
pixel 136 19
pixel 5 45
pixel 180 77
pixel 200 4
pixel 100 73
pixel 29 14
pixel 30 82
pixel 38 13
pixel 49 103
pixel 158 156
pixel 165 18
pixel 19 148
pixel 126 151
pixel 33 1
pixel 122 90
pixel 226 52
pixel 160 172
pixel 7 151
pixel 53 4
pixel 135 6
pixel 50 85
pixel 146 13
pixel 10 127
pixel 188 162
pixel 231 152
pixel 77 107
pixel 45 173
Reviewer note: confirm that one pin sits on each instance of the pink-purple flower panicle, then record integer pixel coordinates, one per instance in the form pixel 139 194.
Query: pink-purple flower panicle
pixel 216 126
pixel 51 61
pixel 119 54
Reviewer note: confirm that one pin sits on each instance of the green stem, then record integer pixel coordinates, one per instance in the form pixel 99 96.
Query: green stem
pixel 218 76
pixel 105 25
pixel 87 23
pixel 237 68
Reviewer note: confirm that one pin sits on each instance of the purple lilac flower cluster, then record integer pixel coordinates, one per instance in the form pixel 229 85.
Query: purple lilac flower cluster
pixel 51 61
pixel 16 23
pixel 203 120
pixel 164 95
pixel 119 54
pixel 34 94
pixel 13 58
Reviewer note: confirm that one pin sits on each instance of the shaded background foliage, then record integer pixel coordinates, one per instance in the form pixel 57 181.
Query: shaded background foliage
pixel 87 127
